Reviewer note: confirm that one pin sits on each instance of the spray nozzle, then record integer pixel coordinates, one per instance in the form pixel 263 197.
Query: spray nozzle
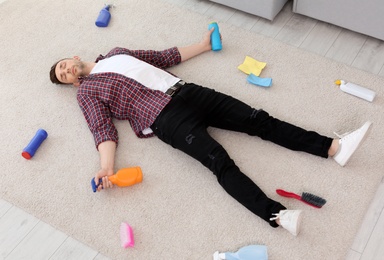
pixel 107 6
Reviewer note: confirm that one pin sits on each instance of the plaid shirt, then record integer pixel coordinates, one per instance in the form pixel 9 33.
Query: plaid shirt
pixel 103 96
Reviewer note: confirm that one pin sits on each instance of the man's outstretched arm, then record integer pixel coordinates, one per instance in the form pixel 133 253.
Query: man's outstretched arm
pixel 198 48
pixel 107 152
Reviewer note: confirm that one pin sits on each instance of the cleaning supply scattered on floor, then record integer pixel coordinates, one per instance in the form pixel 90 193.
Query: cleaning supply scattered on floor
pixel 250 65
pixel 215 37
pixel 30 150
pixel 356 90
pixel 251 252
pixel 126 235
pixel 262 82
pixel 123 178
pixel 308 198
pixel 104 17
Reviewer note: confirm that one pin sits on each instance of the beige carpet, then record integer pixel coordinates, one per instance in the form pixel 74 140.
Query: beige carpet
pixel 179 211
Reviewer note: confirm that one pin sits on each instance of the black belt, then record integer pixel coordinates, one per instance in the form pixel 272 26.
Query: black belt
pixel 172 91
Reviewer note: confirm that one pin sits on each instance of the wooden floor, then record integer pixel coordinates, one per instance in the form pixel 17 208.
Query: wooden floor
pixel 22 236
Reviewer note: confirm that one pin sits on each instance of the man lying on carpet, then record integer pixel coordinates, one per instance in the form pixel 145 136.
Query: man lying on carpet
pixel 133 85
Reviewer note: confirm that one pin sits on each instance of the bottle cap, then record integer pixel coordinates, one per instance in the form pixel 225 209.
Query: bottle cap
pixel 218 256
pixel 338 82
pixel 26 155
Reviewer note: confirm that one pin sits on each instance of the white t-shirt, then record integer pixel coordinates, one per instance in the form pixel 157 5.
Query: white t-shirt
pixel 133 68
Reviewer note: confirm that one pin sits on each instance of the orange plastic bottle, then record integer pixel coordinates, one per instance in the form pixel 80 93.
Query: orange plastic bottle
pixel 123 178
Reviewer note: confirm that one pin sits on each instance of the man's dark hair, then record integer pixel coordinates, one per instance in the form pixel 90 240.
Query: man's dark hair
pixel 52 74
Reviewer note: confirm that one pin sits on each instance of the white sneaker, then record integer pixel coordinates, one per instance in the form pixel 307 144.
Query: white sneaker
pixel 349 143
pixel 290 220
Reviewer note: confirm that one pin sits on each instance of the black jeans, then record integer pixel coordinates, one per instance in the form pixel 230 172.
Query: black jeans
pixel 183 124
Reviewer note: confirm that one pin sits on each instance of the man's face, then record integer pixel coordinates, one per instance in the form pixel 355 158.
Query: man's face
pixel 69 70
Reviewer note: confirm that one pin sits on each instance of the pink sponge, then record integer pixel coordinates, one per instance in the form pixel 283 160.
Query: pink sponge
pixel 126 235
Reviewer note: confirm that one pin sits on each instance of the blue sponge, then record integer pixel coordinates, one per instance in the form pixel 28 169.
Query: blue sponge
pixel 262 82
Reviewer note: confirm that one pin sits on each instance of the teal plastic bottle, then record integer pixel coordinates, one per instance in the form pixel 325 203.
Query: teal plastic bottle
pixel 251 252
pixel 215 37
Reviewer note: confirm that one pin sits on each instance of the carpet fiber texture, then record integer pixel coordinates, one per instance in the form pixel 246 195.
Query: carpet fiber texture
pixel 179 211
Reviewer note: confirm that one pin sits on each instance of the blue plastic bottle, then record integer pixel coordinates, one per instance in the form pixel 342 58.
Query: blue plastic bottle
pixel 104 17
pixel 34 144
pixel 251 252
pixel 215 37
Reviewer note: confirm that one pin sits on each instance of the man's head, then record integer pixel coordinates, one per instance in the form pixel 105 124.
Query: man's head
pixel 67 71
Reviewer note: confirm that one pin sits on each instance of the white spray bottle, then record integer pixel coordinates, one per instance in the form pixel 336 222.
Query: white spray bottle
pixel 356 90
pixel 250 252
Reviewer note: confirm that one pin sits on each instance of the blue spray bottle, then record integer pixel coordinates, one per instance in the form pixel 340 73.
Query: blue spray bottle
pixel 104 17
pixel 215 37
pixel 251 252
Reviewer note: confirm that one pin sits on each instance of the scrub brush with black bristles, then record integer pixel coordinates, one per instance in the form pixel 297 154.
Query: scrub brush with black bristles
pixel 308 198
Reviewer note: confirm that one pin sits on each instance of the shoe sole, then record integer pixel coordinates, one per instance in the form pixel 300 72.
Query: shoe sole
pixel 358 144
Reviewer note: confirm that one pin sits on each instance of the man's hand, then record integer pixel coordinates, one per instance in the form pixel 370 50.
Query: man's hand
pixel 206 41
pixel 103 175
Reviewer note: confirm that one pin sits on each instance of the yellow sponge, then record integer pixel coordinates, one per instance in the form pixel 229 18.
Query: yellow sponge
pixel 250 65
